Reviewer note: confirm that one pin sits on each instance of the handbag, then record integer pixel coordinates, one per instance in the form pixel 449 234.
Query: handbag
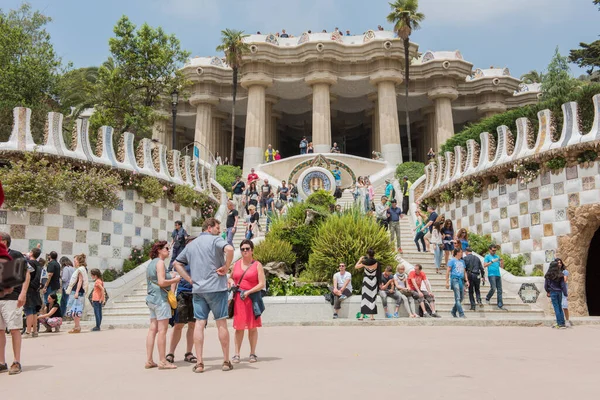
pixel 171 298
pixel 230 310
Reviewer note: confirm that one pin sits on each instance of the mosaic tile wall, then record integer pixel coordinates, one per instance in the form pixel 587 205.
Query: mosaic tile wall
pixel 106 236
pixel 527 218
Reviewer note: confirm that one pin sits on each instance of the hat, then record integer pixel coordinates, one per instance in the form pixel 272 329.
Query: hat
pixel 405 177
pixel 387 181
pixel 469 250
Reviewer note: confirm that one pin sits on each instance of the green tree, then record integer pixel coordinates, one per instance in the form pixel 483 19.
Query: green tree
pixel 75 90
pixel 144 68
pixel 597 2
pixel 588 56
pixel 532 76
pixel 28 67
pixel 406 17
pixel 557 82
pixel 234 47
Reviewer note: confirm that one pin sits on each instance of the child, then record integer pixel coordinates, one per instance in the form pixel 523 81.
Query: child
pixel 565 301
pixel 556 288
pixel 97 297
pixel 53 318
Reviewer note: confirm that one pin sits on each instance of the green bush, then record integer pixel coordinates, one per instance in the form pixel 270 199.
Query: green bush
pixel 94 187
pixel 587 156
pixel 150 189
pixel 346 238
pixel 32 182
pixel 111 274
pixel 274 250
pixel 280 287
pixel 480 243
pixel 556 163
pixel 413 169
pixel 188 197
pixel 226 175
pixel 537 272
pixel 514 265
pixel 129 265
pixel 320 200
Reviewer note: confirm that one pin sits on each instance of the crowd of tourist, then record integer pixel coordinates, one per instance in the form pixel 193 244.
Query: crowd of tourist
pixel 337 30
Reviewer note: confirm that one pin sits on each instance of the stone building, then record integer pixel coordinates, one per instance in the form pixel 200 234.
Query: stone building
pixel 344 89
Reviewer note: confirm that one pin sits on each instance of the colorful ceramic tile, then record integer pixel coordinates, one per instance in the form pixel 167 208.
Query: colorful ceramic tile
pixel 129 194
pixel 93 250
pixel 163 202
pixel 81 236
pixel 138 231
pixel 67 248
pixel 539 267
pixel 571 172
pixel 516 247
pixel 118 228
pixel 3 217
pixel 514 222
pixel 127 241
pixel 545 178
pixel 485 195
pixel 548 230
pixel 494 202
pixel 505 238
pixel 94 225
pixel 589 183
pixel 522 185
pixel 549 255
pixel 82 211
pixel 139 207
pixel 36 219
pixel 527 257
pixel 163 224
pixel 524 208
pixel 547 204
pixel 464 211
pixel 147 221
pixel 478 207
pixel 471 220
pixel 177 207
pixel 559 188
pixel 486 216
pixel 573 199
pixel 154 234
pixel 146 242
pixel 128 218
pixel 106 214
pixel 68 222
pixel 34 243
pixel 502 189
pixel 170 215
pixel 456 203
pixel 503 212
pixel 119 206
pixel 479 230
pixel 495 226
pixel 537 244
pixel 535 218
pixel 105 241
pixel 154 212
pixel 561 214
pixel 512 198
pixel 534 193
pixel 52 233
pixel 525 234
pixel 116 252
pixel 470 202
pixel 53 209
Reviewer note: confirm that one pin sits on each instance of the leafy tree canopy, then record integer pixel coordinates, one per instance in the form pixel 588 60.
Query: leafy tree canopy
pixel 587 56
pixel 557 83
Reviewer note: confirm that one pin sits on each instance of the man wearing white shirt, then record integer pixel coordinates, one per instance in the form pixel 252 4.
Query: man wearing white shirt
pixel 342 288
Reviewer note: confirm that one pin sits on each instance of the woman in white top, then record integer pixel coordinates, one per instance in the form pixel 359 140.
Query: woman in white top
pixel 79 281
pixel 361 189
pixel 400 281
pixel 437 244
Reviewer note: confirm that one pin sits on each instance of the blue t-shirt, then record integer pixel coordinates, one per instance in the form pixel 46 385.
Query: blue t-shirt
pixel 337 174
pixel 464 243
pixel 494 268
pixel 566 273
pixel 457 268
pixel 432 217
pixel 394 213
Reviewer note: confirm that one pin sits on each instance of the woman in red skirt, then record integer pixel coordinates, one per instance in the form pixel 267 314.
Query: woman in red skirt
pixel 249 277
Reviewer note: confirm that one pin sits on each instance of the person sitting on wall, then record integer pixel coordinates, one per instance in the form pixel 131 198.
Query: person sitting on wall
pixel 303 145
pixel 388 289
pixel 284 34
pixel 277 155
pixel 269 154
pixel 342 288
pixel 376 155
pixel 430 154
pixel 335 148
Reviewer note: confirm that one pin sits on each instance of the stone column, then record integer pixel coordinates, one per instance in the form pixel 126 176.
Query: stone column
pixel 375 130
pixel 256 83
pixel 273 133
pixel 321 116
pixel 389 129
pixel 443 94
pixel 160 133
pixel 204 111
pixel 271 123
pixel 429 134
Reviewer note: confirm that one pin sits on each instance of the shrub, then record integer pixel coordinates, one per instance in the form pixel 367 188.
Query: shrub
pixel 480 243
pixel 446 196
pixel 514 265
pixel 413 169
pixel 587 156
pixel 197 221
pixel 32 182
pixel 280 287
pixel 537 272
pixel 150 189
pixel 226 175
pixel 346 238
pixel 556 163
pixel 128 265
pixel 94 187
pixel 470 188
pixel 111 274
pixel 321 199
pixel 274 250
pixel 188 197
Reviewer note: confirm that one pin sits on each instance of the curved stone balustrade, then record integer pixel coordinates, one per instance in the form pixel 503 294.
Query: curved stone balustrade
pixel 198 174
pixel 509 149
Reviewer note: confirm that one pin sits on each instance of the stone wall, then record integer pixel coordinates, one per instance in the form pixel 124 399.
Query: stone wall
pixel 105 236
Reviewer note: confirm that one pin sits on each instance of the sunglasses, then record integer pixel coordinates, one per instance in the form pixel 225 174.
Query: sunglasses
pixel 342 266
pixel 166 248
pixel 245 249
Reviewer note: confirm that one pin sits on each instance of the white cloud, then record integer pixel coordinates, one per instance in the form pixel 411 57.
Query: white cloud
pixel 482 12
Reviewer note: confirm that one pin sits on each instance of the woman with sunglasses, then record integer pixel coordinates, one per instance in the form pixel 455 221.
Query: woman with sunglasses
pixel 248 278
pixel 158 281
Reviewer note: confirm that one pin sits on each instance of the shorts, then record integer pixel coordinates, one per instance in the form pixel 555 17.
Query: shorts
pixel 215 302
pixel 160 311
pixel 11 316
pixel 448 245
pixel 427 236
pixel 28 310
pixel 75 306
pixel 565 302
pixel 185 309
pixel 426 296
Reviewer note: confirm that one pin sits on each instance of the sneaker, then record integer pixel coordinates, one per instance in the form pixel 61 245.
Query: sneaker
pixel 343 297
pixel 480 304
pixel 562 327
pixel 15 368
pixel 426 315
pixel 435 315
pixel 95 329
pixel 388 315
pixel 335 316
pixel 3 368
pixel 453 315
pixel 462 316
pixel 35 334
pixel 569 324
pixel 502 308
pixel 472 308
pixel 396 315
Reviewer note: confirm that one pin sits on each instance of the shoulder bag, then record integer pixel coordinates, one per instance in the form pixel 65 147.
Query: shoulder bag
pixel 230 311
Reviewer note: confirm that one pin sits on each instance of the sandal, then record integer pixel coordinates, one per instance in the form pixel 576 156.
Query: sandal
pixel 75 330
pixel 150 365
pixel 198 368
pixel 170 358
pixel 227 366
pixel 235 359
pixel 190 357
pixel 15 368
pixel 253 358
pixel 166 365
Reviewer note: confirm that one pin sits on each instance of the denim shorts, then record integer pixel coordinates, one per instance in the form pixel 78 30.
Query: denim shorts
pixel 160 311
pixel 207 302
pixel 29 310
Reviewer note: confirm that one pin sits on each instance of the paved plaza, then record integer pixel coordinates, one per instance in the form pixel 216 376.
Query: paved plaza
pixel 441 362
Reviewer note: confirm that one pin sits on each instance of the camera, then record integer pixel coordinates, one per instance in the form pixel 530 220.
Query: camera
pixel 12 273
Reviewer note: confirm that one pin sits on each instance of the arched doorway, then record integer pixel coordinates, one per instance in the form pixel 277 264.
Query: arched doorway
pixel 592 276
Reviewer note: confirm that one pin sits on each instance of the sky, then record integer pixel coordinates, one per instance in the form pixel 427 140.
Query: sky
pixel 518 34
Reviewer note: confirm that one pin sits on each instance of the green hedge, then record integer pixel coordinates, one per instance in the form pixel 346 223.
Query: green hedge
pixel 226 175
pixel 413 169
pixel 586 113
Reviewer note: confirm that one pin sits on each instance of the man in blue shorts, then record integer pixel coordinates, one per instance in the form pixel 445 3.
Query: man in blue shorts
pixel 209 258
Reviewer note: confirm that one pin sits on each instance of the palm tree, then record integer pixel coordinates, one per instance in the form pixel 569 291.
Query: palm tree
pixel 233 45
pixel 406 17
pixel 532 76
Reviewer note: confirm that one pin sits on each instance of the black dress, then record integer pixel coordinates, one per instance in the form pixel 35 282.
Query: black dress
pixel 368 304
